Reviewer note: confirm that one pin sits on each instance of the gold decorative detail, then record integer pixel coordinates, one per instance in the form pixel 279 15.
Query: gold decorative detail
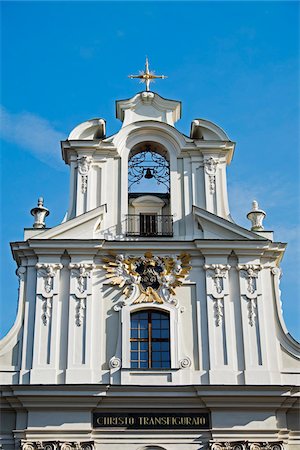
pixel 149 278
pixel 147 77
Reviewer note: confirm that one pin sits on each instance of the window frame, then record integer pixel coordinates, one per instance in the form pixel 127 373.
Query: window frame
pixel 150 340
pixel 126 312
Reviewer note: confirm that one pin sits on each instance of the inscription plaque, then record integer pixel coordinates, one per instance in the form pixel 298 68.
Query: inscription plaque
pixel 159 420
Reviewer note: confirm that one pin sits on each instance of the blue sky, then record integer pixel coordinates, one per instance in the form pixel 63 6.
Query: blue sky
pixel 234 63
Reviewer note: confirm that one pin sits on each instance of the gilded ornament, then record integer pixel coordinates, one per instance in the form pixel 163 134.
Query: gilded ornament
pixel 147 279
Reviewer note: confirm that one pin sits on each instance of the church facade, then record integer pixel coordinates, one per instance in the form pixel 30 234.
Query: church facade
pixel 148 319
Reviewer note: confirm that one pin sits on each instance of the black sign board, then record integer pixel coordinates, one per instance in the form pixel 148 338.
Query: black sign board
pixel 159 420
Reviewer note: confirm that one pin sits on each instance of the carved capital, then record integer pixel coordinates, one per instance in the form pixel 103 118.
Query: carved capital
pixel 54 445
pixel 251 273
pixel 219 272
pixel 277 271
pixel 48 272
pixel 21 271
pixel 82 272
pixel 237 445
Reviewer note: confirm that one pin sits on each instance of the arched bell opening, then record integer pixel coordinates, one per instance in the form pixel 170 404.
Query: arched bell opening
pixel 149 212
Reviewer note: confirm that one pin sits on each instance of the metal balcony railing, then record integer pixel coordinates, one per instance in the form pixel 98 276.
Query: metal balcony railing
pixel 149 225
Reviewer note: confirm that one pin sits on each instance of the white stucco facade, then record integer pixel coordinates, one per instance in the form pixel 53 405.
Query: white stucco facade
pixel 68 353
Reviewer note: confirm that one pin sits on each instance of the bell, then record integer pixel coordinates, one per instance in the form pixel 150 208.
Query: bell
pixel 148 174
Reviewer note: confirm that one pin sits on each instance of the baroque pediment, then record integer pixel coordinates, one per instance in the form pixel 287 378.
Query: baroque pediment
pixel 215 227
pixel 85 226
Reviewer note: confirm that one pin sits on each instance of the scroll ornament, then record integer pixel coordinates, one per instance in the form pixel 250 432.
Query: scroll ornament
pixel 185 362
pixel 48 272
pixel 218 274
pixel 82 272
pixel 83 168
pixel 210 166
pixel 56 445
pixel 147 279
pixel 250 272
pixel 245 445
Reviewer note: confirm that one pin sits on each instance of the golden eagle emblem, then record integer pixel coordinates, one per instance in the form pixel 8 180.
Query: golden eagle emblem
pixel 148 278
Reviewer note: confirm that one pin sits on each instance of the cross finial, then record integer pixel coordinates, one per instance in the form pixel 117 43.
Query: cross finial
pixel 147 76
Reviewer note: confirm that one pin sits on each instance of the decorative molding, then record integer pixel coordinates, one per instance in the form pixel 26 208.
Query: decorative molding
pixel 219 310
pixel 55 445
pixel 119 305
pixel 252 307
pixel 210 167
pixel 46 310
pixel 251 272
pixel 185 362
pixel 115 363
pixel 84 163
pixel 79 311
pixel 49 446
pixel 277 271
pixel 82 272
pixel 218 275
pixel 21 273
pixel 48 272
pixel 147 279
pixel 245 445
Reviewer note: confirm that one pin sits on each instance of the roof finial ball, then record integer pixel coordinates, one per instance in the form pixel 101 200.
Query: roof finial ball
pixel 39 213
pixel 256 216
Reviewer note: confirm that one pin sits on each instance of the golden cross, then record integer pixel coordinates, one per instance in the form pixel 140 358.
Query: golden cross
pixel 147 76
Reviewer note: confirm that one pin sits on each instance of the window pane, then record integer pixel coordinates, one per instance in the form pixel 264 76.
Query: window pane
pixel 165 346
pixel 165 364
pixel 134 333
pixel 134 324
pixel 165 356
pixel 143 334
pixel 144 364
pixel 156 364
pixel 143 315
pixel 164 333
pixel 156 356
pixel 155 323
pixel 156 346
pixel 134 365
pixel 165 324
pixel 134 345
pixel 144 345
pixel 144 356
pixel 156 315
pixel 134 356
pixel 143 323
pixel 156 333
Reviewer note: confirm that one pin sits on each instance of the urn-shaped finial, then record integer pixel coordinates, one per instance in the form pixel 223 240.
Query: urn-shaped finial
pixel 256 216
pixel 39 213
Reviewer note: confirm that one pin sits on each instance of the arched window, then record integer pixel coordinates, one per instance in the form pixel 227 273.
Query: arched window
pixel 149 191
pixel 150 339
pixel 148 169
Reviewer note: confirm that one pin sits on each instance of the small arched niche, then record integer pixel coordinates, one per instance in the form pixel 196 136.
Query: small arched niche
pixel 149 191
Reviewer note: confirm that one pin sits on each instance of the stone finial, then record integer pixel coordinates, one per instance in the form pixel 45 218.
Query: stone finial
pixel 256 217
pixel 39 213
